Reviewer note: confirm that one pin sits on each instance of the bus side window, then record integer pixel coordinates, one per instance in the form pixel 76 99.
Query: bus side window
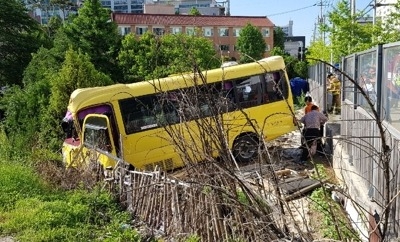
pixel 138 114
pixel 229 91
pixel 249 91
pixel 275 87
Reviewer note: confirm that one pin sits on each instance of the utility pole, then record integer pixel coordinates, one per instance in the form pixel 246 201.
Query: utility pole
pixel 353 8
pixel 321 20
pixel 374 17
pixel 315 31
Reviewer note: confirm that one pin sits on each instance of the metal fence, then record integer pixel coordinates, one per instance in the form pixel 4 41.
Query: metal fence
pixel 377 72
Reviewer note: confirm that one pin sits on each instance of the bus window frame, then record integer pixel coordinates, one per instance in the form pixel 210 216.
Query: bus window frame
pixel 108 131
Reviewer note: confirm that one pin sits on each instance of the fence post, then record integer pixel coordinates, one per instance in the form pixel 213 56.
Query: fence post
pixel 356 78
pixel 379 81
pixel 324 87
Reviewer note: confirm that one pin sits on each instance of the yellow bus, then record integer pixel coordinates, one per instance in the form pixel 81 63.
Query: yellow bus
pixel 128 121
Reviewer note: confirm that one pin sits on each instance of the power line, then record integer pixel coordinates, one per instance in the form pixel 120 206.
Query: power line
pixel 369 5
pixel 290 11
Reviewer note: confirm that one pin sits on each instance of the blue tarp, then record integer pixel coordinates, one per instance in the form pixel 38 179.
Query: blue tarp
pixel 299 86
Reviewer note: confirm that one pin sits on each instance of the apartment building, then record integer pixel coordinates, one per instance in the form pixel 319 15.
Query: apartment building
pixel 223 31
pixel 288 29
pixel 383 8
pixel 124 6
pixel 42 11
pixel 205 7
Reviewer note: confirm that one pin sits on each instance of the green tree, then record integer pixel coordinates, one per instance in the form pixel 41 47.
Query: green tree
pixel 346 36
pixel 278 51
pixel 43 66
pixel 64 6
pixel 251 44
pixel 20 36
pixel 389 31
pixel 151 57
pixel 294 67
pixel 318 50
pixel 194 11
pixel 93 33
pixel 54 24
pixel 139 57
pixel 279 38
pixel 183 52
pixel 76 72
pixel 300 69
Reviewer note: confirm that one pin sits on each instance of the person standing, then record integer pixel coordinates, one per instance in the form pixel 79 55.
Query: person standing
pixel 312 122
pixel 309 103
pixel 334 88
pixel 320 146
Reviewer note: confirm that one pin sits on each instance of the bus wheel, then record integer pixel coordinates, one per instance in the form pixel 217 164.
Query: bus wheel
pixel 245 148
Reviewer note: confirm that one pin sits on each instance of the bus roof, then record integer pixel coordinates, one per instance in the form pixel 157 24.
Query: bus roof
pixel 87 97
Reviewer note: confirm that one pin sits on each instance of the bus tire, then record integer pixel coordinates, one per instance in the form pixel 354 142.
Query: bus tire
pixel 245 148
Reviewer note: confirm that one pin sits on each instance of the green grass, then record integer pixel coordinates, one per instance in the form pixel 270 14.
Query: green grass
pixel 332 213
pixel 33 211
pixel 299 102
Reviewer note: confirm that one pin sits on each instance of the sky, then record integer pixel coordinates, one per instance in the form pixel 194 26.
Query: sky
pixel 304 13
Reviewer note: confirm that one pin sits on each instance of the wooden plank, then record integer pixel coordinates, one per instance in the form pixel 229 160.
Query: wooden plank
pixel 305 190
pixel 296 185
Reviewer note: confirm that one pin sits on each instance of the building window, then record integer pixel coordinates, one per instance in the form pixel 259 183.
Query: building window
pixel 106 3
pixel 176 30
pixel 159 31
pixel 223 32
pixel 124 30
pixel 224 47
pixel 140 30
pixel 190 30
pixel 208 31
pixel 121 9
pixel 236 32
pixel 265 32
pixel 267 48
pixel 235 48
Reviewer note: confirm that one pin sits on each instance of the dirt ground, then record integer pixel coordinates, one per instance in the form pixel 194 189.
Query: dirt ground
pixel 285 155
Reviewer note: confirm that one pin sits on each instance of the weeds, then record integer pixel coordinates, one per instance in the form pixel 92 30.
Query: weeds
pixel 33 211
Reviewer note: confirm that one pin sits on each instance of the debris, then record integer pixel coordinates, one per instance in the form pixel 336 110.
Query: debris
pixel 311 185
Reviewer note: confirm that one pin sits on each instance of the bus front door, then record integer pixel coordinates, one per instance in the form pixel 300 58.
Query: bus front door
pixel 98 141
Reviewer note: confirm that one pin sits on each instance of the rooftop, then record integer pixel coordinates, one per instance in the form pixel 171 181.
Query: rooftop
pixel 190 20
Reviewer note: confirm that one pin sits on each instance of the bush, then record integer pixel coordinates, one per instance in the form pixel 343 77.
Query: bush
pixel 33 211
pixel 18 182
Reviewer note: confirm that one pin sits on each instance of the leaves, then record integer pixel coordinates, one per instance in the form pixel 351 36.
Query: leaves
pixel 20 36
pixel 279 38
pixel 151 56
pixel 194 11
pixel 93 33
pixel 251 44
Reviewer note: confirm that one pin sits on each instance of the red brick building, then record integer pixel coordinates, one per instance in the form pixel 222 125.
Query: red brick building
pixel 222 30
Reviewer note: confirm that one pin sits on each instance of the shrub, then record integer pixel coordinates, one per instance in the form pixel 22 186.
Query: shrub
pixel 18 182
pixel 34 211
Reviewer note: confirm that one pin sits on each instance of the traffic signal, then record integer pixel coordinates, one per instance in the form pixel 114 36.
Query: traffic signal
pixel 301 54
